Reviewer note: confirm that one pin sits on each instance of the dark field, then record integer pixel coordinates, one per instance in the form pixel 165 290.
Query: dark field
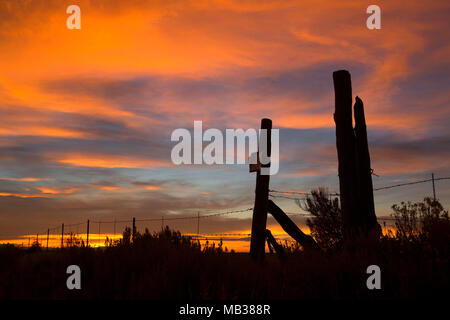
pixel 168 266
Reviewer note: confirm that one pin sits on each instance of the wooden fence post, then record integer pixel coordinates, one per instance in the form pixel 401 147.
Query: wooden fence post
pixel 99 224
pixel 259 221
pixel 62 235
pixel 48 234
pixel 345 143
pixel 364 173
pixel 87 234
pixel 434 189
pixel 134 229
pixel 355 180
pixel 198 223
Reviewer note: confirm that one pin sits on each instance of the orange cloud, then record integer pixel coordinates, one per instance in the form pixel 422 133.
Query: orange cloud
pixel 129 189
pixel 387 161
pixel 305 121
pixel 294 35
pixel 24 195
pixel 54 191
pixel 305 173
pixel 28 179
pixel 108 188
pixel 43 132
pixel 107 161
pixel 231 42
pixel 374 119
pixel 153 187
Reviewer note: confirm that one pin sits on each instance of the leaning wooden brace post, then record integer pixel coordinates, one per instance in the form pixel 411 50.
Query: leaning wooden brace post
pixel 272 242
pixel 269 245
pixel 307 242
pixel 365 187
pixel 345 143
pixel 258 238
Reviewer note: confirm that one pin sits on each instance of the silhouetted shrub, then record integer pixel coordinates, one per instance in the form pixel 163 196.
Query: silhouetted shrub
pixel 35 246
pixel 423 222
pixel 72 241
pixel 168 265
pixel 326 224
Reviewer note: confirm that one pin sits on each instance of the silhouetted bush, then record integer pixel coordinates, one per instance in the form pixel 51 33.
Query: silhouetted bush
pixel 168 265
pixel 423 222
pixel 72 241
pixel 35 246
pixel 326 225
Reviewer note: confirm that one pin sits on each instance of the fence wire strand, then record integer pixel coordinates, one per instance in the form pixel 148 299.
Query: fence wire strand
pixel 278 194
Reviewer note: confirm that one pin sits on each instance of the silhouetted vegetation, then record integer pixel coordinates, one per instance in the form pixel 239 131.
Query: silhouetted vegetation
pixel 424 223
pixel 72 241
pixel 168 265
pixel 326 224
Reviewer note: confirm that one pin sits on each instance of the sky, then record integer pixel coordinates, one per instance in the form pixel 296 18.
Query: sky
pixel 87 115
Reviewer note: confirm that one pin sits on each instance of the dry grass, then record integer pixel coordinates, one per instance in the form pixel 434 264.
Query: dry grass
pixel 169 266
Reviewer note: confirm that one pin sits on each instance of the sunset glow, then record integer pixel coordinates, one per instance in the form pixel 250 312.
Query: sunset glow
pixel 87 115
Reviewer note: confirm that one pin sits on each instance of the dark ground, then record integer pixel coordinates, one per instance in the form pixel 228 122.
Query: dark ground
pixel 171 267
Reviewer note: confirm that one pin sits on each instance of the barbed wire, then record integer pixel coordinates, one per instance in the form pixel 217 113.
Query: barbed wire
pixel 285 197
pixel 220 234
pixel 410 183
pixel 300 192
pixel 374 189
pixel 197 217
pixel 73 224
pixel 165 218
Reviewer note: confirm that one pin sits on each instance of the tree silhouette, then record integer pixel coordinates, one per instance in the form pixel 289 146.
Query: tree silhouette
pixel 326 224
pixel 422 221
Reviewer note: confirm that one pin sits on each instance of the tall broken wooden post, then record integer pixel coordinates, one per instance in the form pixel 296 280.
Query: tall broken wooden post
pixel 259 221
pixel 345 143
pixel 355 180
pixel 364 170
